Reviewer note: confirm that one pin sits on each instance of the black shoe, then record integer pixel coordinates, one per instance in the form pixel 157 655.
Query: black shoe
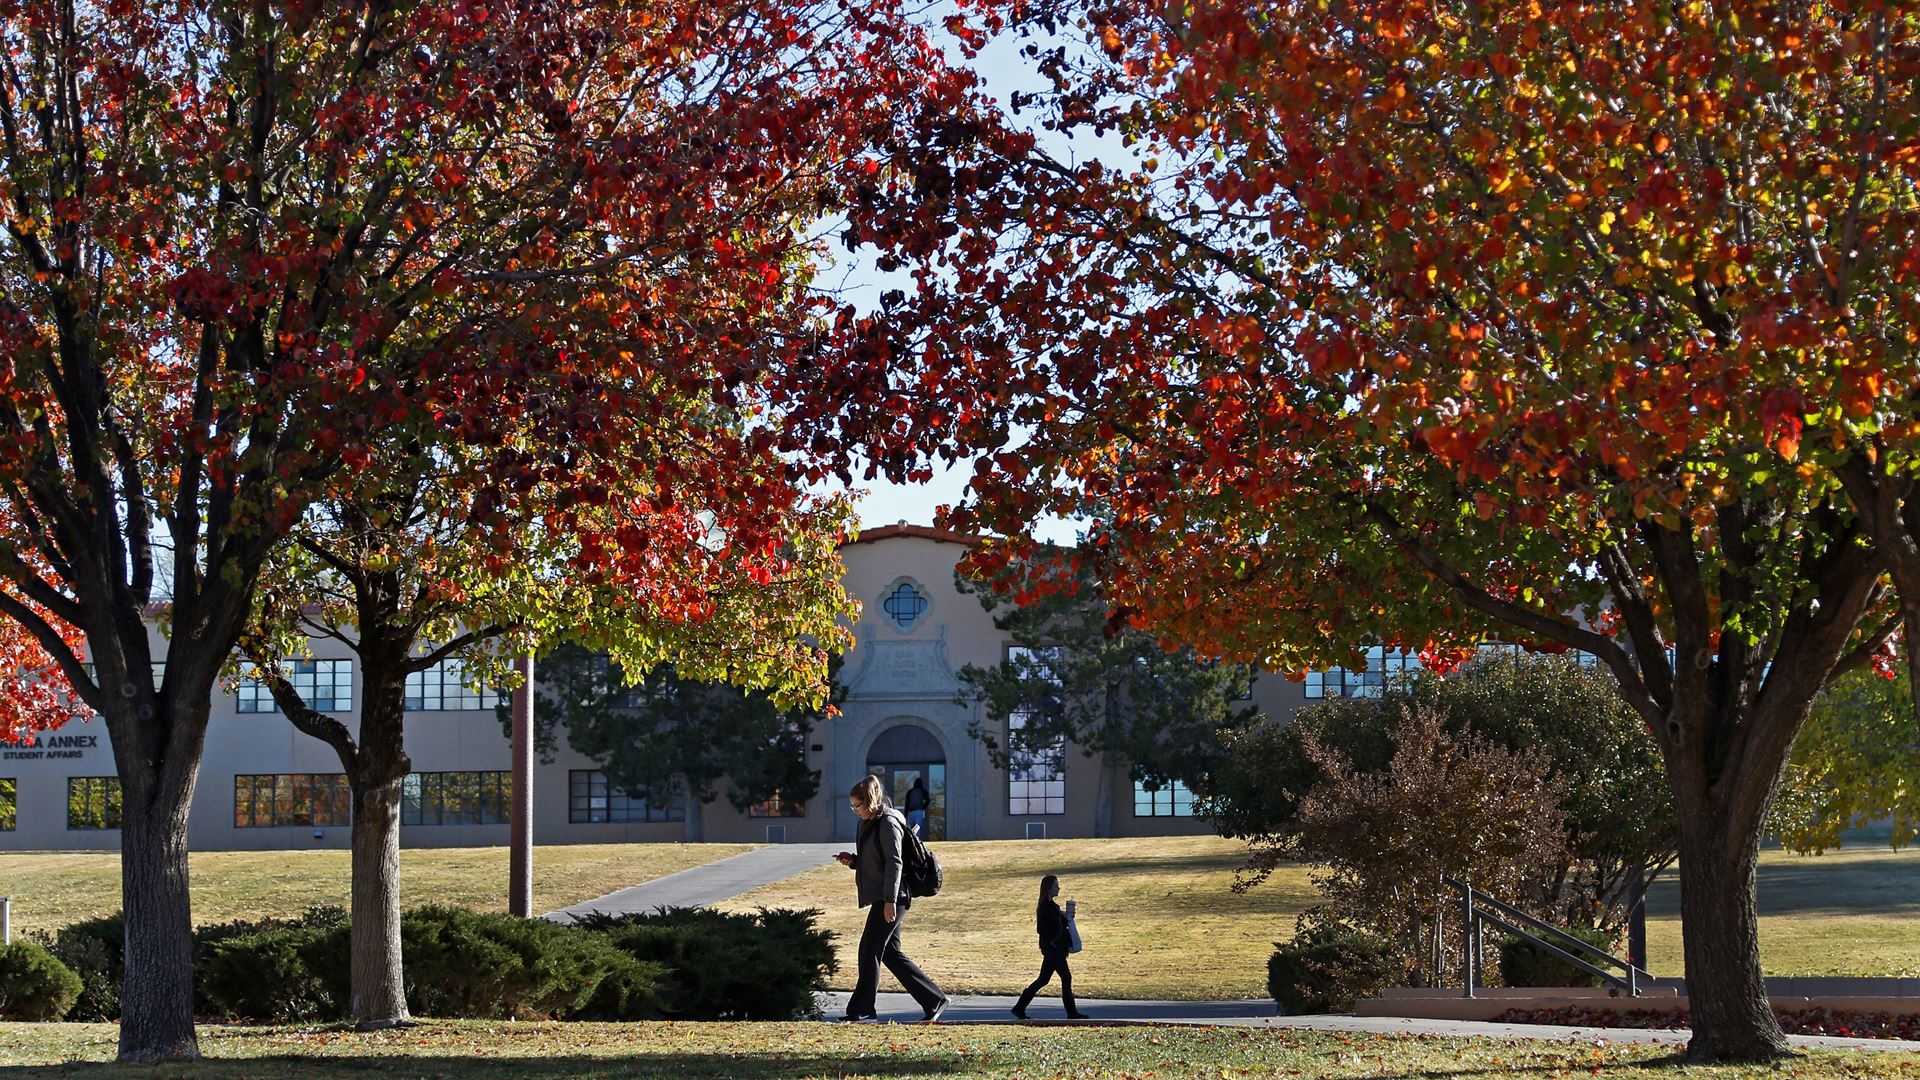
pixel 1078 1016
pixel 1018 1012
pixel 867 1018
pixel 934 1013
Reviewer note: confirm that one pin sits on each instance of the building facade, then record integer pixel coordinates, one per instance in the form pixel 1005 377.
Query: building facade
pixel 265 786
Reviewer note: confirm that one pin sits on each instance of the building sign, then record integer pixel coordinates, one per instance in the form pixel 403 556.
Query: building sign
pixel 51 746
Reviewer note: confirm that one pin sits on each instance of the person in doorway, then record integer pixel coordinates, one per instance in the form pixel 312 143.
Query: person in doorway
pixel 916 807
pixel 878 862
pixel 1056 940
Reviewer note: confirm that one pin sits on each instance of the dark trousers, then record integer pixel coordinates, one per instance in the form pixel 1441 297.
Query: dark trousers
pixel 1050 963
pixel 880 944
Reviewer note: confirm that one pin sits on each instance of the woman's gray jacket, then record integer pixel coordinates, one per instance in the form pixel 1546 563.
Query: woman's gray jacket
pixel 877 859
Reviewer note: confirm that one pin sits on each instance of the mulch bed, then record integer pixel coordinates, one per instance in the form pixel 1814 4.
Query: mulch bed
pixel 1853 1025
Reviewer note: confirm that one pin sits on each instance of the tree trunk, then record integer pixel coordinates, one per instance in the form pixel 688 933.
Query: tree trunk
pixel 1103 800
pixel 379 984
pixel 696 831
pixel 156 1003
pixel 1720 932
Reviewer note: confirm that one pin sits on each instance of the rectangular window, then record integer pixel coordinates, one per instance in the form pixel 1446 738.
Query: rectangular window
pixel 1172 800
pixel 777 806
pixel 9 804
pixel 1036 774
pixel 159 671
pixel 443 688
pixel 325 685
pixel 310 799
pixel 1382 669
pixel 455 798
pixel 590 800
pixel 93 802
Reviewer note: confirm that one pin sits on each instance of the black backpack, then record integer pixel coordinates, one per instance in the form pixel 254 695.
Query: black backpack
pixel 920 872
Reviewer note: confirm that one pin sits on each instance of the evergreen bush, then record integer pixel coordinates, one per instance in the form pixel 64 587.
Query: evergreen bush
pixel 34 985
pixel 1522 963
pixel 728 966
pixel 95 951
pixel 1325 968
pixel 486 966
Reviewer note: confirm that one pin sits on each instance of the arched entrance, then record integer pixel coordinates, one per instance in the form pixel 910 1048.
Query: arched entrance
pixel 904 753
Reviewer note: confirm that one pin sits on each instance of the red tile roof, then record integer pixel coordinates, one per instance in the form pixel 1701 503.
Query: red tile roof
pixel 924 532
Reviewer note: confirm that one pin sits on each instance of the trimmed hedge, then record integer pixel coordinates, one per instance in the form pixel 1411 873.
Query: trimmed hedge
pixel 34 985
pixel 1522 963
pixel 1324 969
pixel 727 966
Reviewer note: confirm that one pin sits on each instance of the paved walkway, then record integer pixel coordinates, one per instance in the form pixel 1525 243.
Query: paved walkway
pixel 712 883
pixel 988 1008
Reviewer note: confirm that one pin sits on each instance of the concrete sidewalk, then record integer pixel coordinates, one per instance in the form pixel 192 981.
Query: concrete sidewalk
pixel 714 882
pixel 1259 1013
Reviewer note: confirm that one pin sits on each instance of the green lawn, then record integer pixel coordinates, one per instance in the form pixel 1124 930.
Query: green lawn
pixel 1855 911
pixel 1158 915
pixel 51 889
pixel 501 1051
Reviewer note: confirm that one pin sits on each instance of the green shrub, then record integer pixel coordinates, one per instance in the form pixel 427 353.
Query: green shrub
pixel 34 985
pixel 1522 963
pixel 273 969
pixel 1324 969
pixel 465 964
pixel 727 966
pixel 95 950
pixel 276 975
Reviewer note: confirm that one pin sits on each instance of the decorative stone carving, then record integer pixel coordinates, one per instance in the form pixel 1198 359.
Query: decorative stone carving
pixel 904 670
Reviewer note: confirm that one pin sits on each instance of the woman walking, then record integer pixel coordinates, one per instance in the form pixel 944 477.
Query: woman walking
pixel 877 862
pixel 1056 940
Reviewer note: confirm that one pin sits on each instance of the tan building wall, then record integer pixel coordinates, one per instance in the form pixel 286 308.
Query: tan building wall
pixel 898 677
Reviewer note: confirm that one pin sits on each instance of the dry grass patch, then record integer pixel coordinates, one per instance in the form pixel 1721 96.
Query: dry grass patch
pixel 1855 911
pixel 1159 916
pixel 52 889
pixel 795 1051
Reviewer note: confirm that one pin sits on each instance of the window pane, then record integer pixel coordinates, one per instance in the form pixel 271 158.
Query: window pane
pixel 9 804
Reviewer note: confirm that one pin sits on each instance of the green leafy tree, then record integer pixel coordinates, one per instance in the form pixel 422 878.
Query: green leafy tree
pixel 671 735
pixel 1116 692
pixel 1620 830
pixel 1856 764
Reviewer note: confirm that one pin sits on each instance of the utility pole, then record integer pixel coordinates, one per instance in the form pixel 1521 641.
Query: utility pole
pixel 520 862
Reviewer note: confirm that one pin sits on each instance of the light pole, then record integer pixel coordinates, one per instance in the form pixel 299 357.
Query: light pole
pixel 520 860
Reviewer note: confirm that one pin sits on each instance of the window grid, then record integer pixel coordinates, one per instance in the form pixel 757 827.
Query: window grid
pixel 325 685
pixel 1173 799
pixel 309 799
pixel 455 798
pixel 9 803
pixel 904 605
pixel 1382 669
pixel 1036 775
pixel 443 688
pixel 777 806
pixel 93 802
pixel 590 799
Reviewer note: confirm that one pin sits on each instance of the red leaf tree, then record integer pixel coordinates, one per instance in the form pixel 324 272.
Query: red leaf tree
pixel 248 245
pixel 1422 324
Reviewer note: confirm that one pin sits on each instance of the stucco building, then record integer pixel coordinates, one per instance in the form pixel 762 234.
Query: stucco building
pixel 263 785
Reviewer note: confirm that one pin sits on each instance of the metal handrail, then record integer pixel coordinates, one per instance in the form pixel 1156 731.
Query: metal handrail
pixel 1479 908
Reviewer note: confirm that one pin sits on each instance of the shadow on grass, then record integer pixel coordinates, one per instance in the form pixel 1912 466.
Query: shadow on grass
pixel 745 1066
